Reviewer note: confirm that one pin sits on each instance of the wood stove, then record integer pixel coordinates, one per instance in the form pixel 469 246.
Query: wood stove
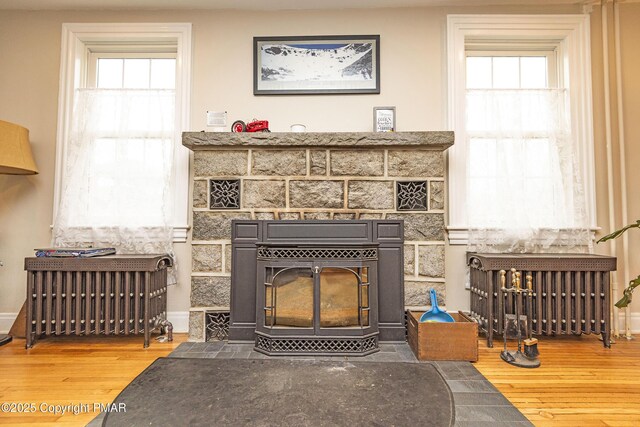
pixel 317 287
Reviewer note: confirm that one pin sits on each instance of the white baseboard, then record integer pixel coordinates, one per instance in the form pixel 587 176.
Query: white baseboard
pixel 179 319
pixel 635 323
pixel 6 321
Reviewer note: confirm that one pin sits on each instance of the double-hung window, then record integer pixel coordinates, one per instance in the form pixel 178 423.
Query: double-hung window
pixel 130 106
pixel 122 174
pixel 521 169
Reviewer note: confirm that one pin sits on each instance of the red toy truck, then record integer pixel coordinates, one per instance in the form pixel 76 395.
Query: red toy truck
pixel 254 126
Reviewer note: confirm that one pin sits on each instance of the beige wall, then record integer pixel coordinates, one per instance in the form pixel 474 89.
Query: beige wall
pixel 413 79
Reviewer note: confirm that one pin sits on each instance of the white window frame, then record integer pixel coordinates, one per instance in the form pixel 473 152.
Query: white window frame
pixel 549 54
pixel 75 56
pixel 96 55
pixel 570 36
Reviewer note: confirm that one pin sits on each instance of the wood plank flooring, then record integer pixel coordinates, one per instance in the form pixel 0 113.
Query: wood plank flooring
pixel 71 370
pixel 580 383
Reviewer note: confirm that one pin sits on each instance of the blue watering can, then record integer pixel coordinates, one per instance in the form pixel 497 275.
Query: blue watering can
pixel 435 314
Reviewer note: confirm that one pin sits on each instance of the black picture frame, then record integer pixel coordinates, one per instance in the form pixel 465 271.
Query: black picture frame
pixel 310 65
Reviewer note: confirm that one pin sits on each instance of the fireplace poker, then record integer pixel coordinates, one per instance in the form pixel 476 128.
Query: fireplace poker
pixel 530 344
pixel 503 287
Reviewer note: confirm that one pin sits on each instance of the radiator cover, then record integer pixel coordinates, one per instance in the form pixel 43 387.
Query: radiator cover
pixel 571 292
pixel 111 295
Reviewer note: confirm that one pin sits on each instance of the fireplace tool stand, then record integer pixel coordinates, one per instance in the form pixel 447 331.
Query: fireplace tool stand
pixel 528 359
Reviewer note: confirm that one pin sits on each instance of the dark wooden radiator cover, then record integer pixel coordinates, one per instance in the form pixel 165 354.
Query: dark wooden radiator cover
pixel 571 292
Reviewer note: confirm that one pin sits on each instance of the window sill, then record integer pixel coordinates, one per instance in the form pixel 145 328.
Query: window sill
pixel 180 233
pixel 458 235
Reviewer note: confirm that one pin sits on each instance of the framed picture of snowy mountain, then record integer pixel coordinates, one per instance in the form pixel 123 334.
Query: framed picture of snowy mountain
pixel 316 65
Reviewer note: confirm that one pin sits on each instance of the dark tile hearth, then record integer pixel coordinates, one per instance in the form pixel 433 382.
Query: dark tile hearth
pixel 477 401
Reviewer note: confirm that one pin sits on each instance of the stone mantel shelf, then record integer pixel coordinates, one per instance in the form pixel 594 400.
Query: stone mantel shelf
pixel 427 140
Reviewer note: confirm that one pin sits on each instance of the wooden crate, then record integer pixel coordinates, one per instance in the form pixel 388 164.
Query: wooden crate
pixel 442 341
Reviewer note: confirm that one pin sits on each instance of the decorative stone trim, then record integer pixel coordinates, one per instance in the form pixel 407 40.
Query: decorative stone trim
pixel 411 195
pixel 217 325
pixel 224 194
pixel 438 141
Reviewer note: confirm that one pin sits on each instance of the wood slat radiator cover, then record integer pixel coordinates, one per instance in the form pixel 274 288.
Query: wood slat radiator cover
pixel 111 295
pixel 570 292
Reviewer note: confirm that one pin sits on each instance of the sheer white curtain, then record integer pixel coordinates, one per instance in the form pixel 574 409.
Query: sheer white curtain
pixel 118 172
pixel 524 191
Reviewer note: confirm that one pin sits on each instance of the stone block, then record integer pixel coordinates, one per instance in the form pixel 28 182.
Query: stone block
pixel 227 258
pixel 215 225
pixel 369 215
pixel 196 326
pixel 416 294
pixel 224 163
pixel 409 260
pixel 265 215
pixel 317 215
pixel 289 215
pixel 316 194
pixel 210 291
pixel 370 195
pixel 415 163
pixel 318 162
pixel 343 216
pixel 200 194
pixel 263 194
pixel 421 226
pixel 436 195
pixel 431 260
pixel 357 163
pixel 279 162
pixel 206 258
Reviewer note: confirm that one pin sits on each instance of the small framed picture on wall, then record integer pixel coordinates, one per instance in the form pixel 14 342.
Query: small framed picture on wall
pixel 384 119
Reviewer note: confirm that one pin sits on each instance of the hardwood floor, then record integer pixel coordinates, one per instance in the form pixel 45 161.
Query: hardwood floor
pixel 71 370
pixel 580 383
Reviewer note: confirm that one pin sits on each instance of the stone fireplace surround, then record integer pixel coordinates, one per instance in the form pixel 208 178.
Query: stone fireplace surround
pixel 310 176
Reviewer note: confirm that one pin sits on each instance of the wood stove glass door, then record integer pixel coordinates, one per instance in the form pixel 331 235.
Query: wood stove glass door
pixel 344 297
pixel 316 297
pixel 289 297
